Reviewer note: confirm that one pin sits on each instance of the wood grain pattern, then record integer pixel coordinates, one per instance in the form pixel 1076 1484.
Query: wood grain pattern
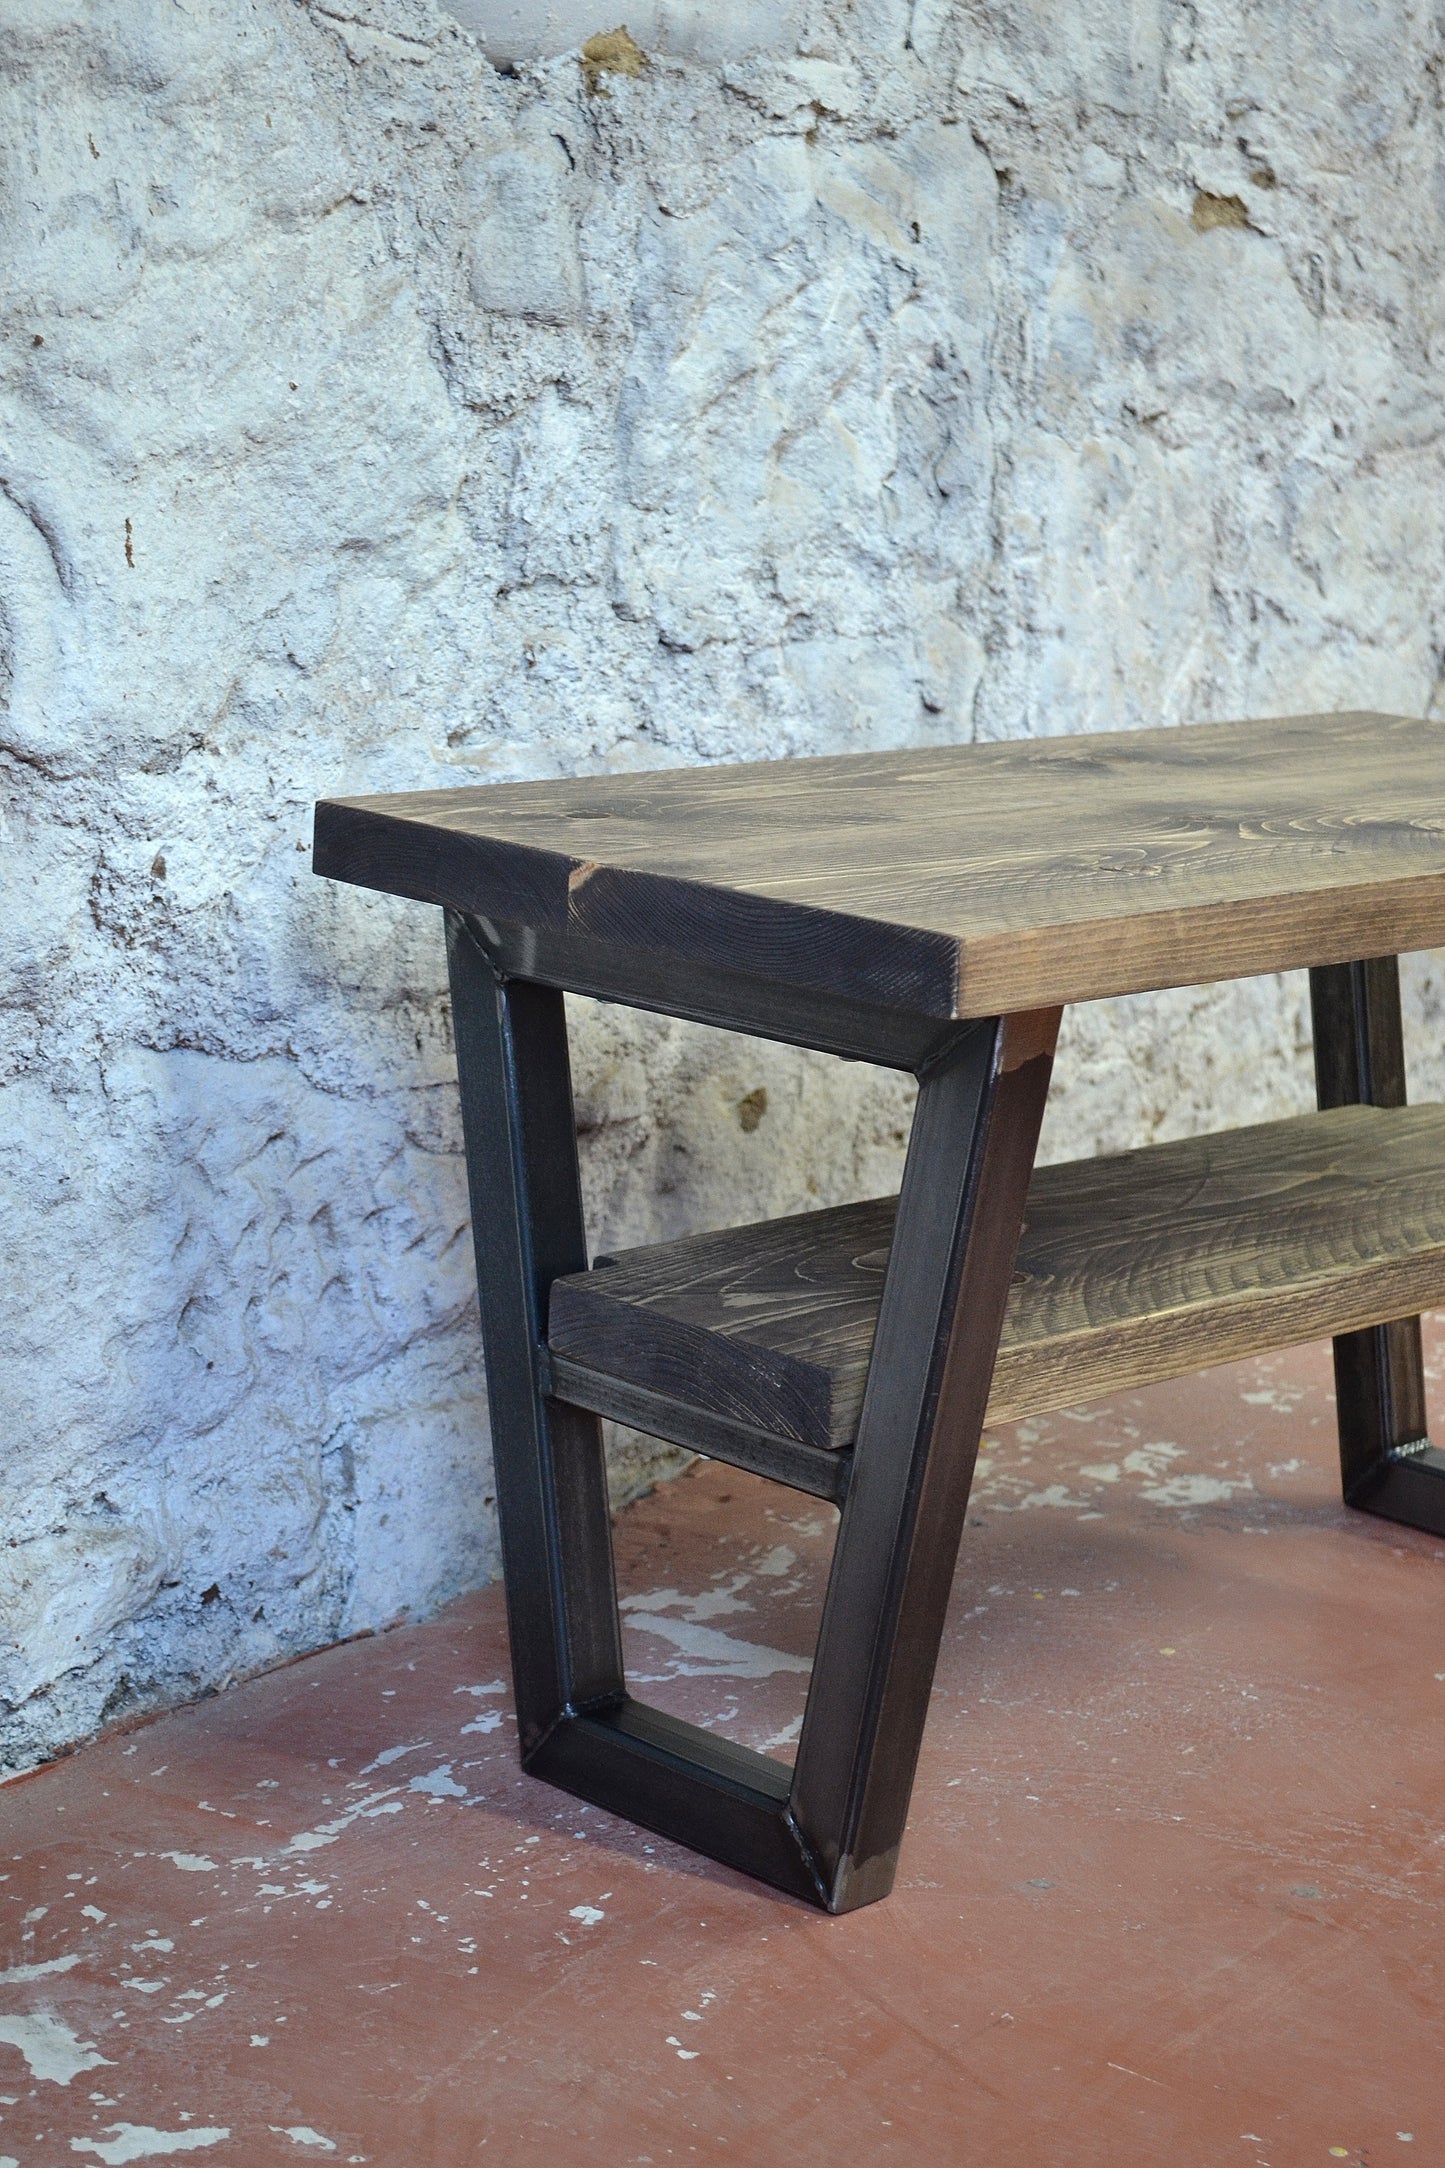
pixel 959 880
pixel 816 1469
pixel 1131 1269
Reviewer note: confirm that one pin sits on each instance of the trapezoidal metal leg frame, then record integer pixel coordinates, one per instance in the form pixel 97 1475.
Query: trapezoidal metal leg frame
pixel 827 1832
pixel 1387 1463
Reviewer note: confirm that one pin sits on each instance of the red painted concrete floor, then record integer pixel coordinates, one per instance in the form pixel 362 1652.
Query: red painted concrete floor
pixel 1172 1890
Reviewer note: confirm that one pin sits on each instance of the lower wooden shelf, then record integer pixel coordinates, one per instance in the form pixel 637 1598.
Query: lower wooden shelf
pixel 1131 1269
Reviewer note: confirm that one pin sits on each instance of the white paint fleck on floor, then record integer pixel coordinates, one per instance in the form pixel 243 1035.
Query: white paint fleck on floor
pixel 52 2051
pixel 18 1973
pixel 1194 1490
pixel 709 1651
pixel 362 1810
pixel 492 1721
pixel 439 1783
pixel 706 1650
pixel 394 1754
pixel 142 2141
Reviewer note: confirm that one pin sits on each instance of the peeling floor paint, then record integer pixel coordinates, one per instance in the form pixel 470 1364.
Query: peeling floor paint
pixel 134 2141
pixel 439 1783
pixel 367 1809
pixel 1173 1872
pixel 1194 1490
pixel 17 1973
pixel 391 1754
pixel 51 2050
pixel 709 1653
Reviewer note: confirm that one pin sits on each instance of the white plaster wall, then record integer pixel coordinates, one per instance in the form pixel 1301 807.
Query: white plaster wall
pixel 532 30
pixel 373 420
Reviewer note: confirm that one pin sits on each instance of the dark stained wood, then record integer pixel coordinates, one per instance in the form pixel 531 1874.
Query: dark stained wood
pixel 731 996
pixel 811 1468
pixel 1131 1269
pixel 959 880
pixel 768 1326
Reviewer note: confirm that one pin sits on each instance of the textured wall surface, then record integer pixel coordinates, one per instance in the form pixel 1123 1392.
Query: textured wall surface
pixel 373 420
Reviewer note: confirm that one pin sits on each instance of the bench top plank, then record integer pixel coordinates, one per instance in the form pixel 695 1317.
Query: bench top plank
pixel 959 880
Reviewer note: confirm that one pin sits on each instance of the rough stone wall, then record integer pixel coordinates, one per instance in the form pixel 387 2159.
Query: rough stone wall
pixel 372 420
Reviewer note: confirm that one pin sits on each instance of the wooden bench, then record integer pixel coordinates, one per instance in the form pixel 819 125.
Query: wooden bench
pixel 931 911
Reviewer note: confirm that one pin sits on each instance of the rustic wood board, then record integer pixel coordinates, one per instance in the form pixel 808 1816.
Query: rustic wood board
pixel 1131 1269
pixel 958 880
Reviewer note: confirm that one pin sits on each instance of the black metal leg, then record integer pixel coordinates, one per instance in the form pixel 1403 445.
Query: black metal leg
pixel 959 1217
pixel 527 1226
pixel 1387 1463
pixel 828 1832
pixel 578 1726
